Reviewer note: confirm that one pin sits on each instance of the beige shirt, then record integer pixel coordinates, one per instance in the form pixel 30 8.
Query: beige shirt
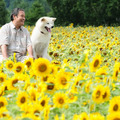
pixel 17 39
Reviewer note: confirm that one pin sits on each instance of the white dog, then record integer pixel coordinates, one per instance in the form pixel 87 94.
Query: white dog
pixel 40 37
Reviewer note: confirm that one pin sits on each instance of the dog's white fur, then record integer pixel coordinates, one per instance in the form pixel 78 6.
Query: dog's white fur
pixel 40 37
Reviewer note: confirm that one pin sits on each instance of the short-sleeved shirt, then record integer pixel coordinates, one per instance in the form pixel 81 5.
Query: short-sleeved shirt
pixel 17 39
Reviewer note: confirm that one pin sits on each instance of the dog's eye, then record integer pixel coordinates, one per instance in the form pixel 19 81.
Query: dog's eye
pixel 47 23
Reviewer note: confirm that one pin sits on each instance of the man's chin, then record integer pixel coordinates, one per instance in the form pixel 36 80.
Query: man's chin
pixel 22 24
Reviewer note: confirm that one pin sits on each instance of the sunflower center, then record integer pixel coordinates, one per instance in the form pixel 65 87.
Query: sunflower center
pixel 1 79
pixel 14 82
pixel 33 96
pixel 23 99
pixel 42 67
pixel 51 86
pixel 36 113
pixel 98 94
pixel 1 104
pixel 63 81
pixel 115 108
pixel 18 69
pixel 116 119
pixel 96 63
pixel 43 103
pixel 116 73
pixel 28 64
pixel 10 66
pixel 84 118
pixel 79 84
pixel 45 78
pixel 61 101
pixel 104 96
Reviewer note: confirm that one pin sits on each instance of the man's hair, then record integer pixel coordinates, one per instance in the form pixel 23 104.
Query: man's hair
pixel 15 12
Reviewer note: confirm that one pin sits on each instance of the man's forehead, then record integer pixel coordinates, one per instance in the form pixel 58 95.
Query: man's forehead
pixel 21 12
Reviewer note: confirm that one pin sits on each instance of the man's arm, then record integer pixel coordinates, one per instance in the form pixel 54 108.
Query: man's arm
pixel 30 51
pixel 4 51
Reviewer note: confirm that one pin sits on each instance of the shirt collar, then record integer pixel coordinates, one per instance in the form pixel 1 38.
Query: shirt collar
pixel 13 26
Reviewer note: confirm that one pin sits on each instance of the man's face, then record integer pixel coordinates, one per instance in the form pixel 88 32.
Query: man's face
pixel 20 18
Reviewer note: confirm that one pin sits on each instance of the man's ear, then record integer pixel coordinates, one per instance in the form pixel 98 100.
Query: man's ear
pixel 14 16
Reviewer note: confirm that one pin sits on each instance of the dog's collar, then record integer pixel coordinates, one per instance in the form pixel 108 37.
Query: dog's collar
pixel 42 32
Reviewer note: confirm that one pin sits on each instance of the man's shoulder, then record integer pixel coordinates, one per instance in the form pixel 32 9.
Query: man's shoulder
pixel 5 26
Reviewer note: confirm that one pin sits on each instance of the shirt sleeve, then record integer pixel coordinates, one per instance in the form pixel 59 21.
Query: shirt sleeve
pixel 4 36
pixel 28 39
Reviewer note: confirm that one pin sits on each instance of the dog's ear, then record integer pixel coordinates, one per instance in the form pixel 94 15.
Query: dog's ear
pixel 43 19
pixel 53 19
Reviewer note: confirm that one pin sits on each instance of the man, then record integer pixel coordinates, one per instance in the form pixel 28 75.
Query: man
pixel 14 38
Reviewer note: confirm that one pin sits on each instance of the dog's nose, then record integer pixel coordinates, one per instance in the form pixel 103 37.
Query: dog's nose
pixel 52 27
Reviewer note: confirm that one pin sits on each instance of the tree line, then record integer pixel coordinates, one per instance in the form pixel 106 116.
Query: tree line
pixel 79 12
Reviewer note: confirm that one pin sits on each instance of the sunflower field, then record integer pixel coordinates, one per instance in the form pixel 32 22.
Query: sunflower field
pixel 81 83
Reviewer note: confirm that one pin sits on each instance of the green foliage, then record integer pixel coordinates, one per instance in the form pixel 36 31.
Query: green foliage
pixel 84 12
pixel 3 13
pixel 35 12
pixel 79 12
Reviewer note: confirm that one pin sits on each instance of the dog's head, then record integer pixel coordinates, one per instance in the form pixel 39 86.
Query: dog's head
pixel 45 24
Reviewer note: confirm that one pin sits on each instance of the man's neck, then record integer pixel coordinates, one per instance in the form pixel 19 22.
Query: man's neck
pixel 16 25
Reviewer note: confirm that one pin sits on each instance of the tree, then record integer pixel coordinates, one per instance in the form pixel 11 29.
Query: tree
pixel 3 13
pixel 35 12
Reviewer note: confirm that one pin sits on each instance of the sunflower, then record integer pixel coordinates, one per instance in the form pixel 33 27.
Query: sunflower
pixel 28 63
pixel 114 116
pixel 54 69
pixel 45 78
pixel 1 67
pixel 83 116
pixel 22 99
pixel 9 65
pixel 114 104
pixel 46 112
pixel 117 66
pixel 11 85
pixel 32 74
pixel 63 80
pixel 106 93
pixel 51 85
pixel 3 102
pixel 56 117
pixel 36 110
pixel 95 64
pixel 27 109
pixel 87 87
pixel 115 73
pixel 96 116
pixel 34 95
pixel 63 116
pixel 78 83
pixel 41 66
pixel 18 68
pixel 41 88
pixel 97 94
pixel 101 73
pixel 72 96
pixel 59 99
pixel 76 117
pixel 2 77
pixel 5 114
pixel 43 102
pixel 2 88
